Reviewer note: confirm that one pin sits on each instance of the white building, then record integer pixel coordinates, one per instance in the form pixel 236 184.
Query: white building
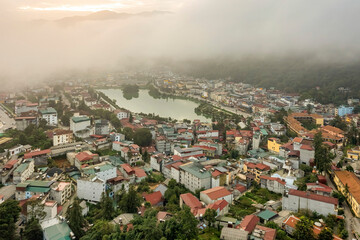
pixel 16 150
pixel 61 136
pixel 102 170
pixel 50 115
pixel 81 126
pixel 23 171
pixel 194 176
pixel 90 189
pixel 60 192
pixel 121 114
pixel 296 200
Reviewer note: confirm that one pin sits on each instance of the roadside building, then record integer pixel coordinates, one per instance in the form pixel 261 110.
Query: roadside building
pixel 50 115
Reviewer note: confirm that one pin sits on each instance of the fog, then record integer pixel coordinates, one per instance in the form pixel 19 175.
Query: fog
pixel 33 49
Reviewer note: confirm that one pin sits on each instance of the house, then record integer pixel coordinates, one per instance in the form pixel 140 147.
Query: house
pixel 189 152
pixel 214 194
pixel 156 162
pixel 90 188
pixel 277 129
pixel 249 223
pixel 273 145
pixel 228 233
pixel 15 150
pixel 22 106
pixel 163 145
pixel 50 115
pixel 23 171
pixel 263 233
pixel 319 188
pixel 27 189
pixel 221 207
pixel 103 170
pixel 273 184
pixel 354 153
pixel 121 114
pixel 295 200
pixel 194 176
pixel 134 174
pixel 266 216
pixel 60 192
pixel 34 154
pixel 349 185
pixel 155 198
pixel 190 200
pixel 84 159
pixel 81 126
pixel 118 183
pixel 60 136
pixel 256 169
pixel 59 230
pixel 23 122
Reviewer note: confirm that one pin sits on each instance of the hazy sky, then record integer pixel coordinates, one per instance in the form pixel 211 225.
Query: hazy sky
pixel 33 50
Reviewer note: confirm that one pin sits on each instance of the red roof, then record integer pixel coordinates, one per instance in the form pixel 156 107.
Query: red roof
pixel 240 188
pixel 220 204
pixel 10 164
pixel 249 223
pixel 315 197
pixel 139 172
pixel 216 192
pixel 307 147
pixel 127 168
pixel 191 201
pixel 216 173
pixel 270 233
pixel 262 167
pixel 154 198
pixel 37 153
pixel 298 139
pixel 84 156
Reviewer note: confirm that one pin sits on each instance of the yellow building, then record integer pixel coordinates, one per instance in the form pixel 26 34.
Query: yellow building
pixel 354 153
pixel 274 144
pixel 349 185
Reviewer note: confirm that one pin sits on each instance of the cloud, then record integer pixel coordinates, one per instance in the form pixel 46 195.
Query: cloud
pixel 201 29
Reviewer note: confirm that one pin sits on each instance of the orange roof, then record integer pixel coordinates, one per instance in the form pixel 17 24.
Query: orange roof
pixel 220 204
pixel 270 233
pixel 249 223
pixel 333 129
pixel 127 168
pixel 154 198
pixel 298 139
pixel 139 172
pixel 216 192
pixel 36 153
pixel 190 200
pixel 352 181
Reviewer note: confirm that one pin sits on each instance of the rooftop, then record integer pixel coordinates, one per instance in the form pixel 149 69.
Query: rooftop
pixel 194 169
pixel 216 192
pixel 352 182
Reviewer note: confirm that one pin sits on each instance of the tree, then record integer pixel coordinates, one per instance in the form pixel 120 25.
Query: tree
pixel 339 123
pixel 304 229
pixel 210 215
pixel 129 133
pixel 107 209
pixel 76 219
pixel 33 230
pixel 9 215
pixel 131 118
pixel 188 223
pixel 99 230
pixel 349 168
pixel 130 201
pixel 326 234
pixel 35 209
pixel 143 137
pixel 322 153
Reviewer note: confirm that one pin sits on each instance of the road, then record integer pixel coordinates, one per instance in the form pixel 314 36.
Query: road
pixel 5 121
pixel 352 223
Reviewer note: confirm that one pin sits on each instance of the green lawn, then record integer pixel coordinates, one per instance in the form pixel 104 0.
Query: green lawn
pixel 210 234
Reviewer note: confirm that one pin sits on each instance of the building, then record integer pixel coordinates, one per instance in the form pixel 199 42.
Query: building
pixel 22 106
pixel 163 145
pixel 34 154
pixel 256 169
pixel 156 162
pixel 102 127
pixel 104 171
pixel 194 176
pixel 214 194
pixel 274 145
pixel 54 229
pixel 22 123
pixel 60 192
pixel 121 114
pixel 50 115
pixel 228 233
pixel 263 233
pixel 190 200
pixel 81 126
pixel 343 110
pixel 90 188
pixel 84 159
pixel 60 136
pixel 295 200
pixel 188 152
pixel 155 198
pixel 354 153
pixel 349 185
pixel 273 184
pixel 23 171
pixel 27 189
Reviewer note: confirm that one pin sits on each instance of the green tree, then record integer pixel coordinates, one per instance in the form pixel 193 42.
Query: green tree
pixel 33 230
pixel 349 168
pixel 188 223
pixel 322 153
pixel 101 229
pixel 9 215
pixel 326 234
pixel 76 219
pixel 107 209
pixel 129 133
pixel 36 209
pixel 130 201
pixel 210 215
pixel 143 137
pixel 304 229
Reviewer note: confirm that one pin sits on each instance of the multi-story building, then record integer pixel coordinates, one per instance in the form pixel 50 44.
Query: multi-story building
pixel 90 188
pixel 85 158
pixel 81 126
pixel 163 145
pixel 60 136
pixel 343 110
pixel 274 145
pixel 102 127
pixel 273 184
pixel 349 185
pixel 50 115
pixel 354 153
pixel 102 170
pixel 296 200
pixel 27 189
pixel 23 171
pixel 194 176
pixel 60 192
pixel 256 169
pixel 121 114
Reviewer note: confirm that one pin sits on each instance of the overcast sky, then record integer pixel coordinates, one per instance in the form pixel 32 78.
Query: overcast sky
pixel 33 50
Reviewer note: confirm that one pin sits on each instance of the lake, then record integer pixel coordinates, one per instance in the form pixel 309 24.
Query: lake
pixel 175 108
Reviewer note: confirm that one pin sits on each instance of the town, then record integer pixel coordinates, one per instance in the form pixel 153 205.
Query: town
pixel 75 164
